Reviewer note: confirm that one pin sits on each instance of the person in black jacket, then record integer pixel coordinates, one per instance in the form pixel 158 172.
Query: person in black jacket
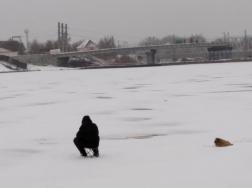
pixel 87 137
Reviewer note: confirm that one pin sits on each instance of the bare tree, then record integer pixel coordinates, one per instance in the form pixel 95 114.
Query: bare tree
pixel 39 47
pixel 172 39
pixel 196 39
pixel 107 42
pixel 36 47
pixel 150 41
pixel 169 39
pixel 49 45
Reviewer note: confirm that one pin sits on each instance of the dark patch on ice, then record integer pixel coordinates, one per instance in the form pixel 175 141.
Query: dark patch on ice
pixel 242 85
pixel 217 77
pixel 152 135
pixel 143 136
pixel 248 86
pixel 22 151
pixel 12 96
pixel 132 87
pixel 136 119
pixel 104 97
pixel 157 90
pixel 233 91
pixel 198 80
pixel 43 103
pixel 98 93
pixel 18 94
pixel 71 92
pixel 143 85
pixel 44 141
pixel 133 91
pixel 141 109
pixel 182 95
pixel 167 124
pixel 201 81
pixel 53 83
pixel 238 84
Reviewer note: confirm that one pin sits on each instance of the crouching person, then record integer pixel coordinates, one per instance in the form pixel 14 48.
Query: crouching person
pixel 87 137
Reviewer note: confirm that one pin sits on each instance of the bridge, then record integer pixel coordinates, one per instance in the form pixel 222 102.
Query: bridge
pixel 150 51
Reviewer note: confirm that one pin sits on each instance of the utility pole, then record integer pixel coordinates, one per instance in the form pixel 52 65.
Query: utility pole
pixel 59 36
pixel 26 31
pixel 224 37
pixel 228 37
pixel 62 38
pixel 19 38
pixel 245 44
pixel 66 38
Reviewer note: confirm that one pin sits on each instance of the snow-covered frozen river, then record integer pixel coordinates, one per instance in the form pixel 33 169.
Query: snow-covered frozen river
pixel 157 127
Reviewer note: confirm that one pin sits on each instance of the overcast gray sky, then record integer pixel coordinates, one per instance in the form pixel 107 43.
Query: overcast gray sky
pixel 129 20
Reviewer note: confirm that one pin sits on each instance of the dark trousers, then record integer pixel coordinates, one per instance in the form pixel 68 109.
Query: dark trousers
pixel 81 147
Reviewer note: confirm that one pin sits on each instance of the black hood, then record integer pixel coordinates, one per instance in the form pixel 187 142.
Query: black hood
pixel 86 120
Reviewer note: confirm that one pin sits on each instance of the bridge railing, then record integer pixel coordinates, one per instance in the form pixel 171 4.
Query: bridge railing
pixel 141 49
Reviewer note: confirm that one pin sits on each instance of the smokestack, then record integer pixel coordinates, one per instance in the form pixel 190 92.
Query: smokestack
pixel 59 37
pixel 62 38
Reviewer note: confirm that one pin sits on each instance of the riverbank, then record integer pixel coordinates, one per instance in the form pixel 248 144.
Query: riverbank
pixel 50 68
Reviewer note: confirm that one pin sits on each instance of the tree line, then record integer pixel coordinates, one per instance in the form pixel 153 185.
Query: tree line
pixel 110 42
pixel 37 47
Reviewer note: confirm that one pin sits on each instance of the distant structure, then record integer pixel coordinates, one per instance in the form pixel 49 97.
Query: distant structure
pixel 54 51
pixel 63 37
pixel 6 52
pixel 26 31
pixel 86 45
pixel 220 52
pixel 11 47
pixel 16 38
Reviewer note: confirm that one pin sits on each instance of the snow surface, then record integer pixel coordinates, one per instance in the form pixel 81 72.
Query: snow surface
pixel 3 68
pixel 30 67
pixel 157 127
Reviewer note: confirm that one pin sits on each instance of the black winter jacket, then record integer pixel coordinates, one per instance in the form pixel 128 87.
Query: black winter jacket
pixel 88 135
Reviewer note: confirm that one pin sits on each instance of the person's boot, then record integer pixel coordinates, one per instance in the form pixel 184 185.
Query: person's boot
pixel 80 147
pixel 96 152
pixel 83 153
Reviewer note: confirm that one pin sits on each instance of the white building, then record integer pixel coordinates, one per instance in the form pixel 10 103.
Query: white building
pixel 87 45
pixel 6 52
